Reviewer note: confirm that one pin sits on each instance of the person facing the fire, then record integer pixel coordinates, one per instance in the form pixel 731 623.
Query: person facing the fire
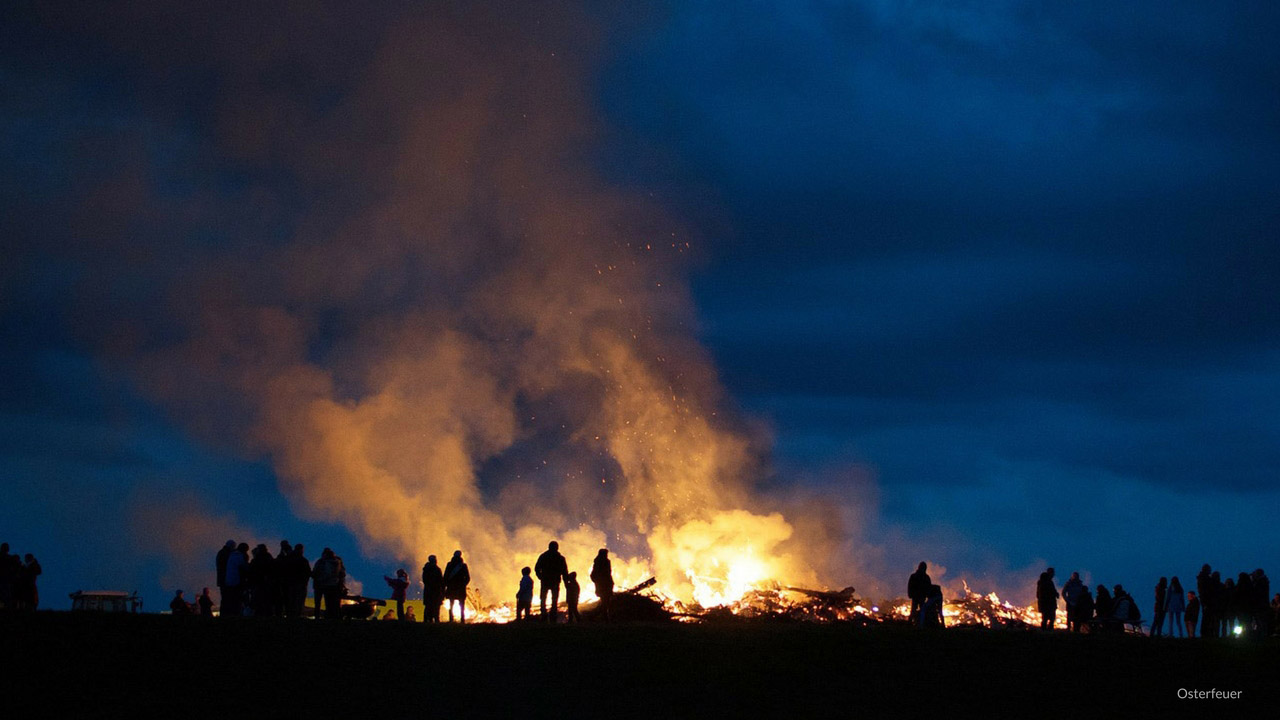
pixel 1071 592
pixel 456 579
pixel 602 576
pixel 1083 609
pixel 524 594
pixel 220 566
pixel 571 592
pixel 550 568
pixel 918 590
pixel 432 590
pixel 931 609
pixel 1047 598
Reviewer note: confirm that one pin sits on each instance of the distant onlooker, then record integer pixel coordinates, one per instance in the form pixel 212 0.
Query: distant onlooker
pixel 1157 618
pixel 205 603
pixel 931 610
pixel 918 591
pixel 178 605
pixel 1175 605
pixel 28 593
pixel 602 577
pixel 456 579
pixel 1193 613
pixel 550 569
pixel 399 585
pixel 1047 599
pixel 1103 605
pixel 1071 592
pixel 236 581
pixel 1084 608
pixel 571 592
pixel 327 579
pixel 220 566
pixel 524 595
pixel 432 590
pixel 8 577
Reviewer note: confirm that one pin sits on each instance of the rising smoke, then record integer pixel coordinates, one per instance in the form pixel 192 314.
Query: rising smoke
pixel 421 302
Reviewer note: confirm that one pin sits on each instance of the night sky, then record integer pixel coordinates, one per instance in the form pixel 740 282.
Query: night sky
pixel 1000 274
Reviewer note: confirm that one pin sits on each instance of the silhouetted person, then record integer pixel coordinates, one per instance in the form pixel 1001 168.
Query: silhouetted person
pixel 1047 599
pixel 1262 591
pixel 1205 591
pixel 1071 591
pixel 1193 613
pixel 602 577
pixel 262 581
pixel 918 591
pixel 1245 603
pixel 220 565
pixel 178 605
pixel 432 590
pixel 399 587
pixel 1226 607
pixel 1275 612
pixel 1157 618
pixel 205 602
pixel 327 577
pixel 236 580
pixel 1084 608
pixel 297 573
pixel 1103 606
pixel 28 593
pixel 1175 605
pixel 456 579
pixel 550 569
pixel 931 610
pixel 571 592
pixel 1124 609
pixel 524 594
pixel 280 593
pixel 8 578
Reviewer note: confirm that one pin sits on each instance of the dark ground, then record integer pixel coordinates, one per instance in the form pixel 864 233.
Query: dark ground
pixel 70 665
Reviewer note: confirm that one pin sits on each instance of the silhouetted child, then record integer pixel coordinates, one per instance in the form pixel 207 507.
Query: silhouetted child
pixel 571 592
pixel 206 604
pixel 409 616
pixel 524 595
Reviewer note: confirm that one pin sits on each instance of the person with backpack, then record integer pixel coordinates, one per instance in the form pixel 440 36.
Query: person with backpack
pixel 327 578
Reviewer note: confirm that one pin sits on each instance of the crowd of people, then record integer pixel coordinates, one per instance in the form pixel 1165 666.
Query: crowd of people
pixel 256 583
pixel 18 577
pixel 1240 606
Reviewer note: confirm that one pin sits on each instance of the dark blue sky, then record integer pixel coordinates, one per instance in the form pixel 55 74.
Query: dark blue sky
pixel 1012 265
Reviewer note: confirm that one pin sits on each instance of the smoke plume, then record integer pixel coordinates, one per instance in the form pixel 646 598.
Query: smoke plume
pixel 408 286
